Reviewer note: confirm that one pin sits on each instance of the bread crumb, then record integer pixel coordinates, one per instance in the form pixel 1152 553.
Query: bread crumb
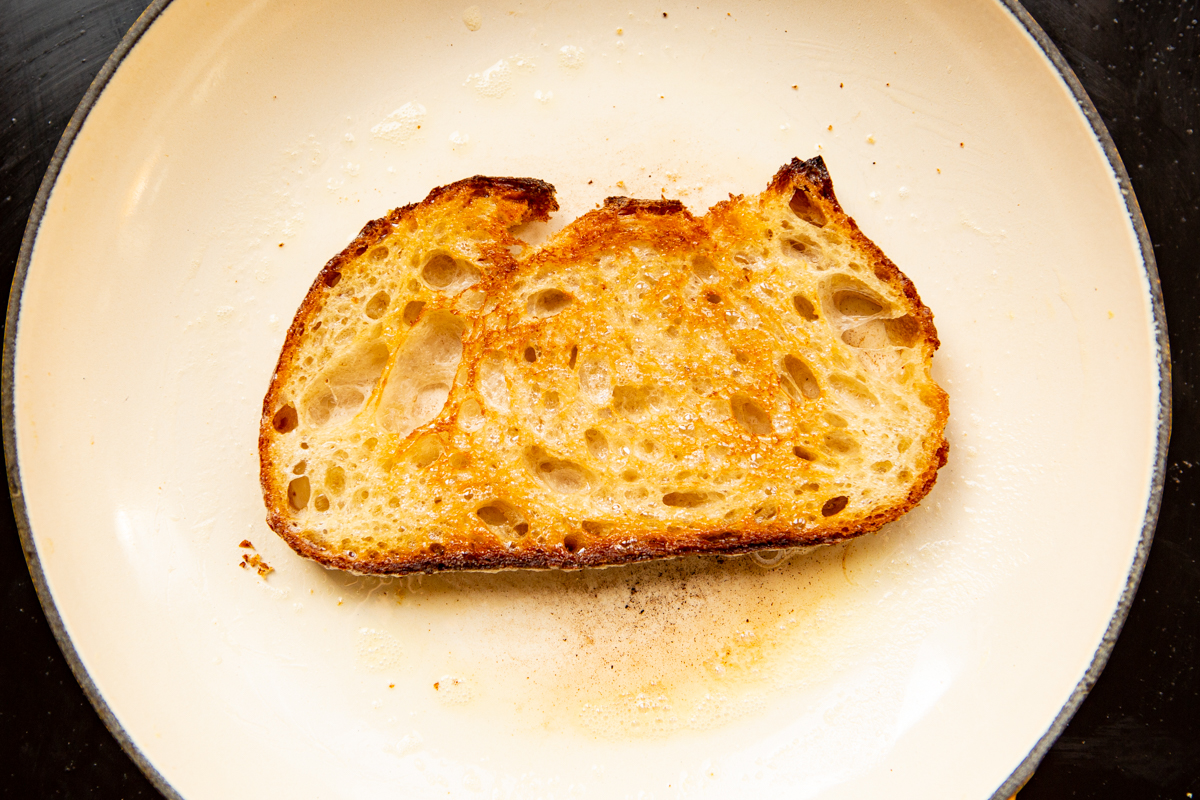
pixel 246 543
pixel 255 562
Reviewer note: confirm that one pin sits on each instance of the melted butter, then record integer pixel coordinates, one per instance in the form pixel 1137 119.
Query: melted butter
pixel 642 651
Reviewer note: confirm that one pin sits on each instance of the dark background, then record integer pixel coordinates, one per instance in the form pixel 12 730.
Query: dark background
pixel 1137 735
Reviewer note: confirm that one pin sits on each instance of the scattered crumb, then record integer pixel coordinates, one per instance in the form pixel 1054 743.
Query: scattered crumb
pixel 391 686
pixel 830 127
pixel 962 144
pixel 795 86
pixel 870 139
pixel 841 86
pixel 246 543
pixel 254 561
pixel 664 15
pixel 281 244
pixel 620 32
pixel 1111 315
pixel 435 686
pixel 939 171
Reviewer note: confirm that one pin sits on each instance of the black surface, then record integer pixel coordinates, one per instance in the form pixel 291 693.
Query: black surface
pixel 1137 735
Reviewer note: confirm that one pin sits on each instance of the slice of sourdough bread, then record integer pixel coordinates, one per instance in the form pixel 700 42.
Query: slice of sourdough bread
pixel 646 384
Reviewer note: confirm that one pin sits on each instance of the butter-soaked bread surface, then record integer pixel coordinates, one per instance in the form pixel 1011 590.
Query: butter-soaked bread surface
pixel 645 384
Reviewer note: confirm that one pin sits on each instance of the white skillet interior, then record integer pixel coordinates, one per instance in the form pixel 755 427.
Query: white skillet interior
pixel 239 146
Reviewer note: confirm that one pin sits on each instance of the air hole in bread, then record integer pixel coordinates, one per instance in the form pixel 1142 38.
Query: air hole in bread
pixel 594 527
pixel 530 355
pixel 856 302
pixel 804 207
pixel 804 307
pixel 332 277
pixel 572 542
pixel 500 515
pixel 804 453
pixel 298 491
pixel 712 297
pixel 841 442
pixel 335 480
pixel 871 335
pixel 705 269
pixel 595 380
pixel 882 466
pixel 446 274
pixel 690 499
pixel 854 390
pixel 377 305
pixel 903 444
pixel 378 253
pixel 766 512
pixel 903 331
pixel 572 357
pixel 321 503
pixel 750 415
pixel 424 451
pixel 802 248
pixel 548 302
pixel 800 381
pixel 551 400
pixel 836 420
pixel 493 385
pixel 423 370
pixel 597 444
pixel 558 475
pixel 649 448
pixel 431 399
pixel 636 402
pixel 343 389
pixel 412 312
pixel 905 476
pixel 300 467
pixel 629 475
pixel 833 505
pixel 470 416
pixel 285 419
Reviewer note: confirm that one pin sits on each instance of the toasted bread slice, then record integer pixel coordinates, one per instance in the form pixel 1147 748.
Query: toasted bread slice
pixel 646 384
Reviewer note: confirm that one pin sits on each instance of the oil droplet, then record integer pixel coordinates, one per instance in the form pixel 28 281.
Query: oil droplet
pixel 378 650
pixel 571 56
pixel 402 124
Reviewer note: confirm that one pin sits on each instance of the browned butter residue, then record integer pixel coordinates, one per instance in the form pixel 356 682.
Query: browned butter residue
pixel 642 650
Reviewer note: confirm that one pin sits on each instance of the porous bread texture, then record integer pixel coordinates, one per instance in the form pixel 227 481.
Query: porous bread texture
pixel 645 384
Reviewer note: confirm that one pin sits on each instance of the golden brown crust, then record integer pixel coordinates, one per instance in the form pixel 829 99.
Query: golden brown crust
pixel 619 223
